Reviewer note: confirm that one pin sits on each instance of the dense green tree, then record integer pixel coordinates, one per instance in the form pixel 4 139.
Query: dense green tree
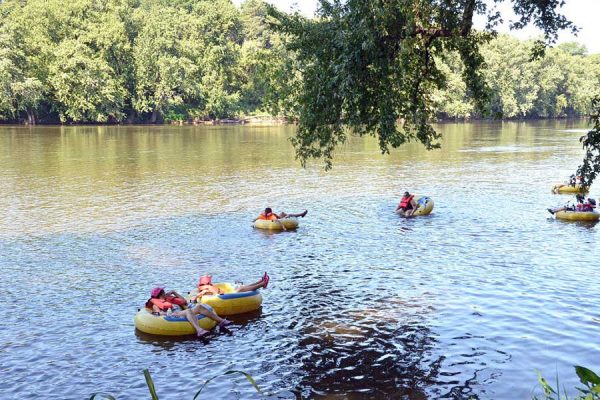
pixel 268 79
pixel 85 85
pixel 367 65
pixel 147 60
pixel 510 77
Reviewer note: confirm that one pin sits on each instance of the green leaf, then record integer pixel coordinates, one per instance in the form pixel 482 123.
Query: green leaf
pixel 248 376
pixel 150 384
pixel 103 396
pixel 548 390
pixel 587 376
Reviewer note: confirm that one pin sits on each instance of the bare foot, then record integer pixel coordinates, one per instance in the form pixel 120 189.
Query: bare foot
pixel 202 333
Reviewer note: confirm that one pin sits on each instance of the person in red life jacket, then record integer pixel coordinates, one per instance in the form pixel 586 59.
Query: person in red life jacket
pixel 206 287
pixel 581 206
pixel 407 205
pixel 161 302
pixel 269 215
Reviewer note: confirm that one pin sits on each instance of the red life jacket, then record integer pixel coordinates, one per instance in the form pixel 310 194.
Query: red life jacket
pixel 585 207
pixel 405 202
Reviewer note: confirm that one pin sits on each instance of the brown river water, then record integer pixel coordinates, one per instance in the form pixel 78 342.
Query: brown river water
pixel 465 303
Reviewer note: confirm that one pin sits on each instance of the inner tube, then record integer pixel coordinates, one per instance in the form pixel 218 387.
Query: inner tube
pixel 566 188
pixel 167 325
pixel 577 215
pixel 289 223
pixel 231 302
pixel 425 206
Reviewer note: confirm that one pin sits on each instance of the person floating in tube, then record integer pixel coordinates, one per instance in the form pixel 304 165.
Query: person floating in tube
pixel 206 287
pixel 172 303
pixel 407 205
pixel 269 215
pixel 580 206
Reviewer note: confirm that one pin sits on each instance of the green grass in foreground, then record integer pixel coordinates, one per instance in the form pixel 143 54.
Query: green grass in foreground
pixel 587 377
pixel 154 396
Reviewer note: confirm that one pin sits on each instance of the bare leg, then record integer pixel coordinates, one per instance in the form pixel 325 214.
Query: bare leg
pixel 555 210
pixel 281 224
pixel 252 286
pixel 191 317
pixel 302 214
pixel 200 309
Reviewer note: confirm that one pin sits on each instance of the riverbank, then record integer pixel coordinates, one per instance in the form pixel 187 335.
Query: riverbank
pixel 271 120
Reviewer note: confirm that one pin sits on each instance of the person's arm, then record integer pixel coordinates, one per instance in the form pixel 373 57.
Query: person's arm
pixel 281 224
pixel 174 293
pixel 414 204
pixel 156 310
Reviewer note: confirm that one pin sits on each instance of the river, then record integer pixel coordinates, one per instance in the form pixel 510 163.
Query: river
pixel 466 303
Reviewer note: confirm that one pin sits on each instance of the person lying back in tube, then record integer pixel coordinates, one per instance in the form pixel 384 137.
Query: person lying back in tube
pixel 581 206
pixel 206 287
pixel 172 303
pixel 269 215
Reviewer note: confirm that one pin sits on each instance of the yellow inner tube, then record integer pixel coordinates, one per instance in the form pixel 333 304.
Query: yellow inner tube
pixel 565 188
pixel 578 215
pixel 425 206
pixel 165 325
pixel 231 302
pixel 289 223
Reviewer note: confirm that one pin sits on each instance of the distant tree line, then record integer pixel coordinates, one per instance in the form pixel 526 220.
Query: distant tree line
pixel 112 61
pixel 560 84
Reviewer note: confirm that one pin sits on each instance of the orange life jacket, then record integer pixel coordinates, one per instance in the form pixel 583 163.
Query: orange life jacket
pixel 268 217
pixel 163 305
pixel 405 202
pixel 166 304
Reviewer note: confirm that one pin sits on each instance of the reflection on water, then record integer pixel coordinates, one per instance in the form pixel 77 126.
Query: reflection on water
pixel 464 303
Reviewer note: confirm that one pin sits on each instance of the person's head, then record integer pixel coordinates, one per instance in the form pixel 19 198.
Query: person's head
pixel 268 210
pixel 157 292
pixel 205 280
pixel 592 201
pixel 406 194
pixel 580 198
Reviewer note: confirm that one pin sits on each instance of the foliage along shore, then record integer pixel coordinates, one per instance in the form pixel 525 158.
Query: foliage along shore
pixel 181 61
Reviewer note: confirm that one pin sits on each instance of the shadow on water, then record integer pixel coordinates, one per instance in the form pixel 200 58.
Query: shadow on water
pixel 579 224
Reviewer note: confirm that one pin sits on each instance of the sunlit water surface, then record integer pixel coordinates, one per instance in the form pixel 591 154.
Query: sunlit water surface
pixel 468 302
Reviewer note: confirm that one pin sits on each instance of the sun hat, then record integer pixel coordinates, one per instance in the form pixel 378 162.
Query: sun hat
pixel 156 291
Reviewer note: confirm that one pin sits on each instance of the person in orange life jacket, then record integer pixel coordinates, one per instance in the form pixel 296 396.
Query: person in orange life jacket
pixel 269 215
pixel 161 302
pixel 407 205
pixel 580 206
pixel 206 288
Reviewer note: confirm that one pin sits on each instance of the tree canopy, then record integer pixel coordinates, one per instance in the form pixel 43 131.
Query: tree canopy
pixel 138 60
pixel 375 67
pixel 387 68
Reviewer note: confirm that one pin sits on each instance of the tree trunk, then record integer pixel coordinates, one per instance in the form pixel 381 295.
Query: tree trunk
pixel 131 117
pixel 30 117
pixel 154 116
